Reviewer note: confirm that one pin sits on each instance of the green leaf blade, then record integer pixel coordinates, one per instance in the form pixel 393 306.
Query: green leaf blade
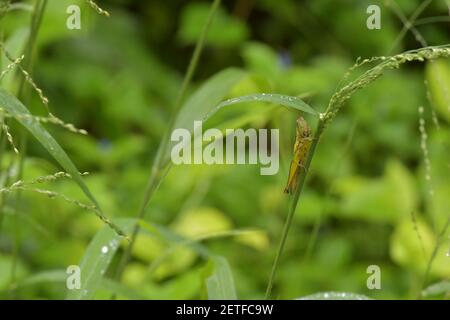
pixel 14 107
pixel 97 258
pixel 439 288
pixel 286 101
pixel 335 296
pixel 201 104
pixel 220 285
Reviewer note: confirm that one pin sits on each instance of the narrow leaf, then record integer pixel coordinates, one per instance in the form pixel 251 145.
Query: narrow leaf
pixel 437 289
pixel 120 290
pixel 44 277
pixel 201 103
pixel 283 100
pixel 220 285
pixel 97 259
pixel 14 107
pixel 335 296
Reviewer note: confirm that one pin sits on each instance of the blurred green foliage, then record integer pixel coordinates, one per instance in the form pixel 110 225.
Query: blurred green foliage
pixel 118 78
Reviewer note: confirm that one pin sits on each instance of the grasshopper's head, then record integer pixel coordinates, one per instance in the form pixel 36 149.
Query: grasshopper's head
pixel 303 129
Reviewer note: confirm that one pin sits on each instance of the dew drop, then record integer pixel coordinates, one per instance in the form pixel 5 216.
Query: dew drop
pixel 105 249
pixel 114 244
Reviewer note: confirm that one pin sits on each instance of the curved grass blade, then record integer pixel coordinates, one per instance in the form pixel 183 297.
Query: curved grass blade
pixel 335 296
pixel 201 104
pixel 120 290
pixel 15 108
pixel 58 276
pixel 194 243
pixel 43 277
pixel 205 98
pixel 206 101
pixel 100 252
pixel 97 259
pixel 286 101
pixel 220 285
pixel 437 289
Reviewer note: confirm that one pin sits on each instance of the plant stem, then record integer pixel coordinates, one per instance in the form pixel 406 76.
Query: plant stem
pixel 22 94
pixel 293 206
pixel 2 196
pixel 158 169
pixel 439 241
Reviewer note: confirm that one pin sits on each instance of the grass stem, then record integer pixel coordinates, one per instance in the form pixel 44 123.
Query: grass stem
pixel 158 170
pixel 36 20
pixel 293 207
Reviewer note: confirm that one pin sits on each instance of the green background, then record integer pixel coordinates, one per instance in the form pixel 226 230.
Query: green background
pixel 118 78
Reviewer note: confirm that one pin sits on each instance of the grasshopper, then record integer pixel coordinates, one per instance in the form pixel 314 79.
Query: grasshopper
pixel 302 144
